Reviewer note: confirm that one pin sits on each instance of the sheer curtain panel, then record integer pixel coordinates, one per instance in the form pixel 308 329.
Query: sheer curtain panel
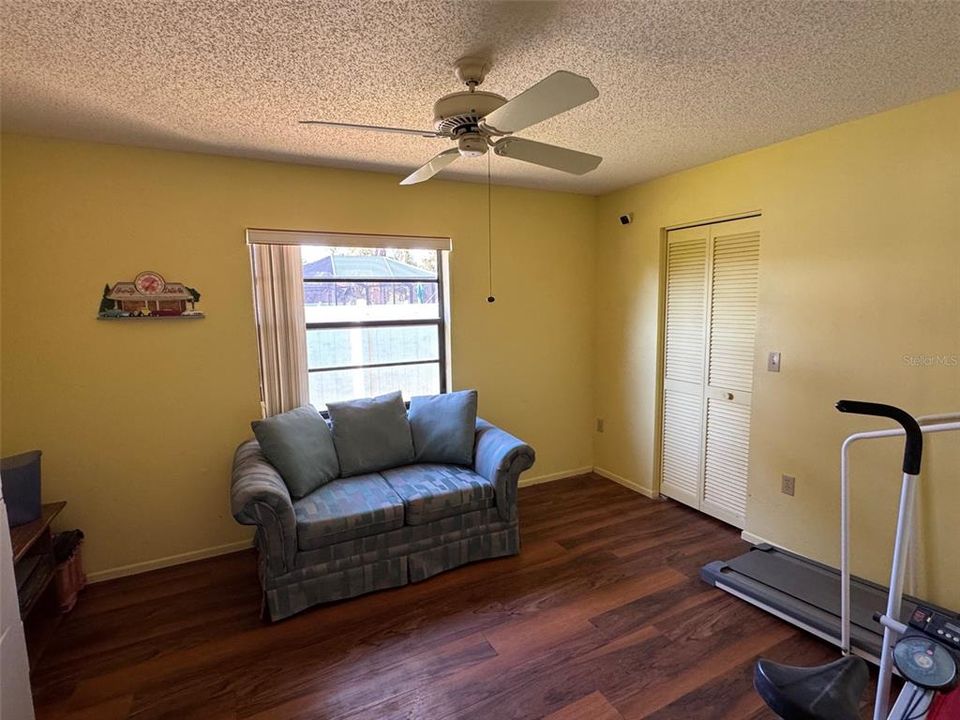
pixel 278 301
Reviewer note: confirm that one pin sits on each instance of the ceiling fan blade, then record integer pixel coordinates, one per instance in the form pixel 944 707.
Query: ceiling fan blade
pixel 438 163
pixel 553 95
pixel 551 156
pixel 377 128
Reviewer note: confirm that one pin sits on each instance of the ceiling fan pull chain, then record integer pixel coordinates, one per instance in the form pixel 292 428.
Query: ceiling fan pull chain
pixel 490 297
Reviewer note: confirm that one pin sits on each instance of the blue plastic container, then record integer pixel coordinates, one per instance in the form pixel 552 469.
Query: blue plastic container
pixel 20 475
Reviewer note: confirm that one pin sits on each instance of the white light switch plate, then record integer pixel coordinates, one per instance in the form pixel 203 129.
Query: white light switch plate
pixel 773 362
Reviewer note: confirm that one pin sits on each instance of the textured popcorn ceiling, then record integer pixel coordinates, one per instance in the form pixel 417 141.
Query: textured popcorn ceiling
pixel 681 83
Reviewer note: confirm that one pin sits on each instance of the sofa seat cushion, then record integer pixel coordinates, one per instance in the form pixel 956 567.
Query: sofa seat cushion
pixel 346 509
pixel 431 492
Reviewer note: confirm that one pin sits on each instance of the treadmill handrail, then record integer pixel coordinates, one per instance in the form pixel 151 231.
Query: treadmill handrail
pixel 913 448
pixel 911 470
pixel 845 572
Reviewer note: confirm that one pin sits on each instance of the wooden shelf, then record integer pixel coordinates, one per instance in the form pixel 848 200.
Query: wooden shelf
pixel 155 317
pixel 35 569
pixel 23 537
pixel 35 585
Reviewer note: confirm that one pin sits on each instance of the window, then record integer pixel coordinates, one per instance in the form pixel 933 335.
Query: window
pixel 374 322
pixel 347 315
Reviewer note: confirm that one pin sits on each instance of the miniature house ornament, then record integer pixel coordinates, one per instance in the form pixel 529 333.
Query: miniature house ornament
pixel 150 296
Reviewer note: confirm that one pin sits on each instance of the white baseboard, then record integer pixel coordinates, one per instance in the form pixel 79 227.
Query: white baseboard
pixel 169 561
pixel 623 481
pixel 539 479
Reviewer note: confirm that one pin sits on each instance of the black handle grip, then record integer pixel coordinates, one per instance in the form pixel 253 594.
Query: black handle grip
pixel 913 450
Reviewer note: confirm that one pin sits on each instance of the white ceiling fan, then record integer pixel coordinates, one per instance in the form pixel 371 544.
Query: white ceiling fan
pixel 478 120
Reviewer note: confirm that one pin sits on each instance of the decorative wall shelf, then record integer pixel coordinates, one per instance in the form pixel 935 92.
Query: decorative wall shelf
pixel 149 297
pixel 150 318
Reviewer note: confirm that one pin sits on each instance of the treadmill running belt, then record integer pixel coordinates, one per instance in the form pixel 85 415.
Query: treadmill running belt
pixel 812 583
pixel 807 593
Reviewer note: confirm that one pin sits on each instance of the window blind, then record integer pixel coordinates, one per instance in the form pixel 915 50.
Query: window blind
pixel 263 236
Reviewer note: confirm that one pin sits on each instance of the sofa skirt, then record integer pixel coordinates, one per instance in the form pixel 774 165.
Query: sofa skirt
pixel 303 590
pixel 428 563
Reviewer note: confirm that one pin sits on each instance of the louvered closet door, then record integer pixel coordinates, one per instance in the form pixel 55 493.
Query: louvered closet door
pixel 685 319
pixel 709 335
pixel 735 256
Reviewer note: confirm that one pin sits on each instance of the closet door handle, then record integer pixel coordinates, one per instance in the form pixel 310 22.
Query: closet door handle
pixel 729 396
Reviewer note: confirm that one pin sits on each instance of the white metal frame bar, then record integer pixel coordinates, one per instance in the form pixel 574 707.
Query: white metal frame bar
pixel 911 698
pixel 892 629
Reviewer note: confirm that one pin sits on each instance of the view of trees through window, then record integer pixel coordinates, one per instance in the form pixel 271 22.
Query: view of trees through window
pixel 374 322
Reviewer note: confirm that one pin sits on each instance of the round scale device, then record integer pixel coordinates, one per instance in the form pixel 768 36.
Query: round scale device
pixel 925 662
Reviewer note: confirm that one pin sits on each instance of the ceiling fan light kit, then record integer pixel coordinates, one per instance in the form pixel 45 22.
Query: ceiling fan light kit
pixel 479 120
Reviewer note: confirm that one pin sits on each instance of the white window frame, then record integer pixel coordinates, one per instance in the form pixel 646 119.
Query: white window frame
pixel 442 246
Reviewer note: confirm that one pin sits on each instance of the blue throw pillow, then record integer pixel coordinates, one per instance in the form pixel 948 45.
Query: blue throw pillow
pixel 299 445
pixel 371 434
pixel 444 426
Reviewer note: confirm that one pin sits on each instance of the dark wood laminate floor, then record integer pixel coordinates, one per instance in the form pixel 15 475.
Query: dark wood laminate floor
pixel 602 617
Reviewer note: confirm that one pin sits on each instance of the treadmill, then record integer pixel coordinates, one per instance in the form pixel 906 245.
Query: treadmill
pixel 807 594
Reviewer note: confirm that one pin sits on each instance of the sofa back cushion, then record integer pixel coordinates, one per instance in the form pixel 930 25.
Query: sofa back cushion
pixel 371 434
pixel 444 427
pixel 299 445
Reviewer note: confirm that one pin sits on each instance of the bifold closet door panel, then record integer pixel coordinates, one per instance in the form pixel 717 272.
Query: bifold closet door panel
pixel 734 283
pixel 684 364
pixel 727 458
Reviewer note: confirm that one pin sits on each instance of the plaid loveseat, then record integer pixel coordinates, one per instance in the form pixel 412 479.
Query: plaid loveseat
pixel 380 530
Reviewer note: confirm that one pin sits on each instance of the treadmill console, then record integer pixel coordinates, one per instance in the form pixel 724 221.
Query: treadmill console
pixel 928 653
pixel 945 628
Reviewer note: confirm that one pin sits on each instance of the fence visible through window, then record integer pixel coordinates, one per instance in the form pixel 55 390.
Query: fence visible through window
pixel 374 322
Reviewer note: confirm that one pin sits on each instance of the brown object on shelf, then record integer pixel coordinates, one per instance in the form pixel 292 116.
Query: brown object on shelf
pixel 70 579
pixel 33 557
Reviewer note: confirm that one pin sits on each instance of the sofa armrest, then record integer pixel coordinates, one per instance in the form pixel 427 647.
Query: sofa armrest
pixel 500 457
pixel 258 496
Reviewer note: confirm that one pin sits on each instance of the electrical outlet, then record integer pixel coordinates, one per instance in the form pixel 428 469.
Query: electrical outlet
pixel 788 485
pixel 599 425
pixel 773 362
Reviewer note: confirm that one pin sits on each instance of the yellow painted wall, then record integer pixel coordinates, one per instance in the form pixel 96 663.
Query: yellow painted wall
pixel 860 267
pixel 138 421
pixel 859 273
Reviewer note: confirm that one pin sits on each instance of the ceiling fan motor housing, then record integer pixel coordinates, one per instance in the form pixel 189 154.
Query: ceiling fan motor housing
pixel 461 112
